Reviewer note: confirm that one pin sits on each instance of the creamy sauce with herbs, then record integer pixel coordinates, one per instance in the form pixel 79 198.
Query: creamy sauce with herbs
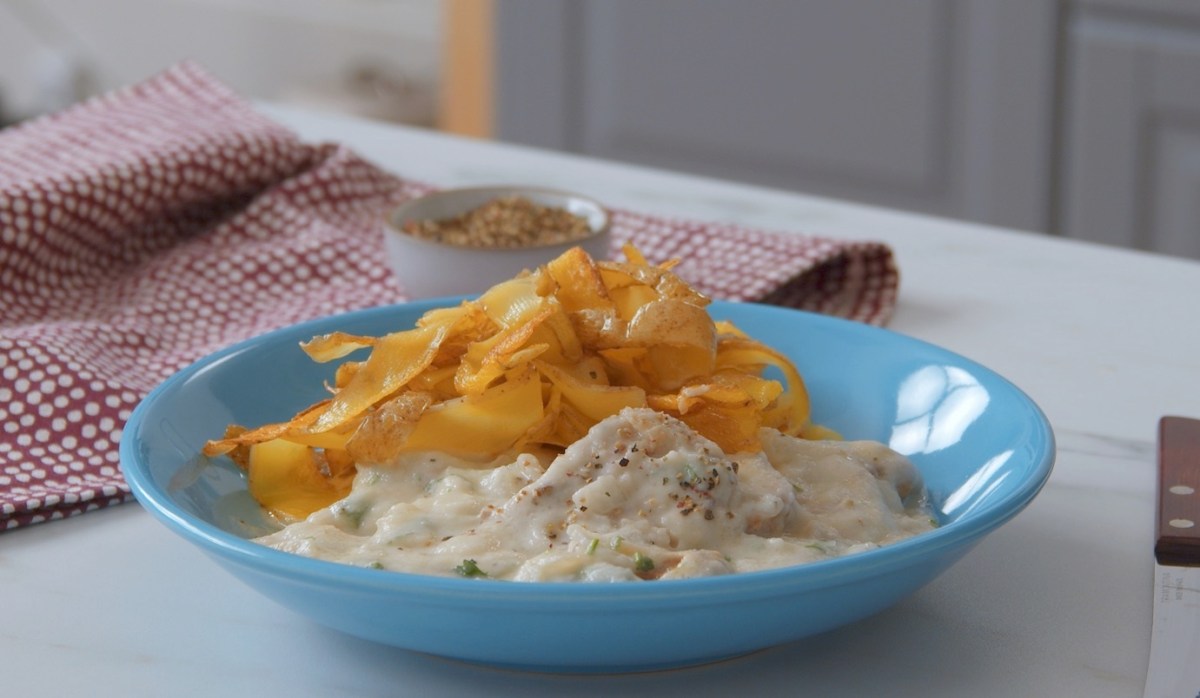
pixel 641 497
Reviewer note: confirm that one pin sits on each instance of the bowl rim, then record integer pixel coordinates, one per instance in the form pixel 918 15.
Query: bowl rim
pixel 392 217
pixel 783 580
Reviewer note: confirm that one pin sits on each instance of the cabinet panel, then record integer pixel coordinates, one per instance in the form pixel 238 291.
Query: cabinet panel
pixel 1132 172
pixel 856 93
pixel 935 105
pixel 1174 225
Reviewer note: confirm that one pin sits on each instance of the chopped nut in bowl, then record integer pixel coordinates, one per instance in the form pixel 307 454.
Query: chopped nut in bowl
pixel 461 241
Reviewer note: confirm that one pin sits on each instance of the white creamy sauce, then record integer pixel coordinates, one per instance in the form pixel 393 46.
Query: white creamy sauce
pixel 641 497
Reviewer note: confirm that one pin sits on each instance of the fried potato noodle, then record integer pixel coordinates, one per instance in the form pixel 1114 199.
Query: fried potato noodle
pixel 531 364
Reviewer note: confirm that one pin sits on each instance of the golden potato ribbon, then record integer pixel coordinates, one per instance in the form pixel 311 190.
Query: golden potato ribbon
pixel 534 362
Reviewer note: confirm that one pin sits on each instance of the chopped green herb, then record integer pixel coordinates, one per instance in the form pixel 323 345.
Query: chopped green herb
pixel 690 475
pixel 615 543
pixel 468 568
pixel 377 565
pixel 591 549
pixel 642 563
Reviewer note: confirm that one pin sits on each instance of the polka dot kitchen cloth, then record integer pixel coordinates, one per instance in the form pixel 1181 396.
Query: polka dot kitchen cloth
pixel 144 229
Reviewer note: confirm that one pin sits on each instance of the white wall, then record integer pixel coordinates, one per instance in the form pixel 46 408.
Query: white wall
pixel 377 58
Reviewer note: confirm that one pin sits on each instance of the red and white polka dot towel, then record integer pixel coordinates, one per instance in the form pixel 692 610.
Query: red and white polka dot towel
pixel 142 230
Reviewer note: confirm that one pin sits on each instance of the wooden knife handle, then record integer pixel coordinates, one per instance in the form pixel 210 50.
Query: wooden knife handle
pixel 1178 535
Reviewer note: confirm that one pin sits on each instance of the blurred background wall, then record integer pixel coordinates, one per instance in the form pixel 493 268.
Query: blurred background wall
pixel 375 58
pixel 1078 118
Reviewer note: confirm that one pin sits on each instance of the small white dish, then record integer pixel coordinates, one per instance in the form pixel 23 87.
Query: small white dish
pixel 427 268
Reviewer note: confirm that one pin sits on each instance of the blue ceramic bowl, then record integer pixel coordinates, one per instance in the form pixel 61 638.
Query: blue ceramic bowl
pixel 984 448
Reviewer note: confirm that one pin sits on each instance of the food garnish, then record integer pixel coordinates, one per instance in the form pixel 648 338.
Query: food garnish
pixel 504 222
pixel 533 363
pixel 468 568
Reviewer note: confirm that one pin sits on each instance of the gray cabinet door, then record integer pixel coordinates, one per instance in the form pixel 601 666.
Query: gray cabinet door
pixel 944 106
pixel 1132 163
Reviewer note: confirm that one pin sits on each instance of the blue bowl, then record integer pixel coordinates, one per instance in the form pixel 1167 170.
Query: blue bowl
pixel 984 448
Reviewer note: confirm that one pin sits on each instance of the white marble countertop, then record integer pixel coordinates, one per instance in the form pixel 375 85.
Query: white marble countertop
pixel 1057 602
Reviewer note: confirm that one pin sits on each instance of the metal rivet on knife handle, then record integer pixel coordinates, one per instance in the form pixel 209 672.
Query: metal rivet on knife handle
pixel 1178 534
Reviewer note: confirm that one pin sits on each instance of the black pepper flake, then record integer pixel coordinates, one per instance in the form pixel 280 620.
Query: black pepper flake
pixel 708 515
pixel 735 466
pixel 582 508
pixel 623 462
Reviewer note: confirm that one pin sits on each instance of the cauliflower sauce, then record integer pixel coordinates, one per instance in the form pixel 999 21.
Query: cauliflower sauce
pixel 641 497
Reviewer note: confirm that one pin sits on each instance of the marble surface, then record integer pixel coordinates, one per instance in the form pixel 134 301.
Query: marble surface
pixel 1057 602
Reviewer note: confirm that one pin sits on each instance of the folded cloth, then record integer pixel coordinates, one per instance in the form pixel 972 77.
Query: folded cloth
pixel 144 229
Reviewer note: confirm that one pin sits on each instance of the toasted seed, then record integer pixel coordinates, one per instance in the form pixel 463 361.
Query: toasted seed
pixel 506 222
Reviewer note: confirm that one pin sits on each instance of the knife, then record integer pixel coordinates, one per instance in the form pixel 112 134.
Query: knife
pixel 1174 670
